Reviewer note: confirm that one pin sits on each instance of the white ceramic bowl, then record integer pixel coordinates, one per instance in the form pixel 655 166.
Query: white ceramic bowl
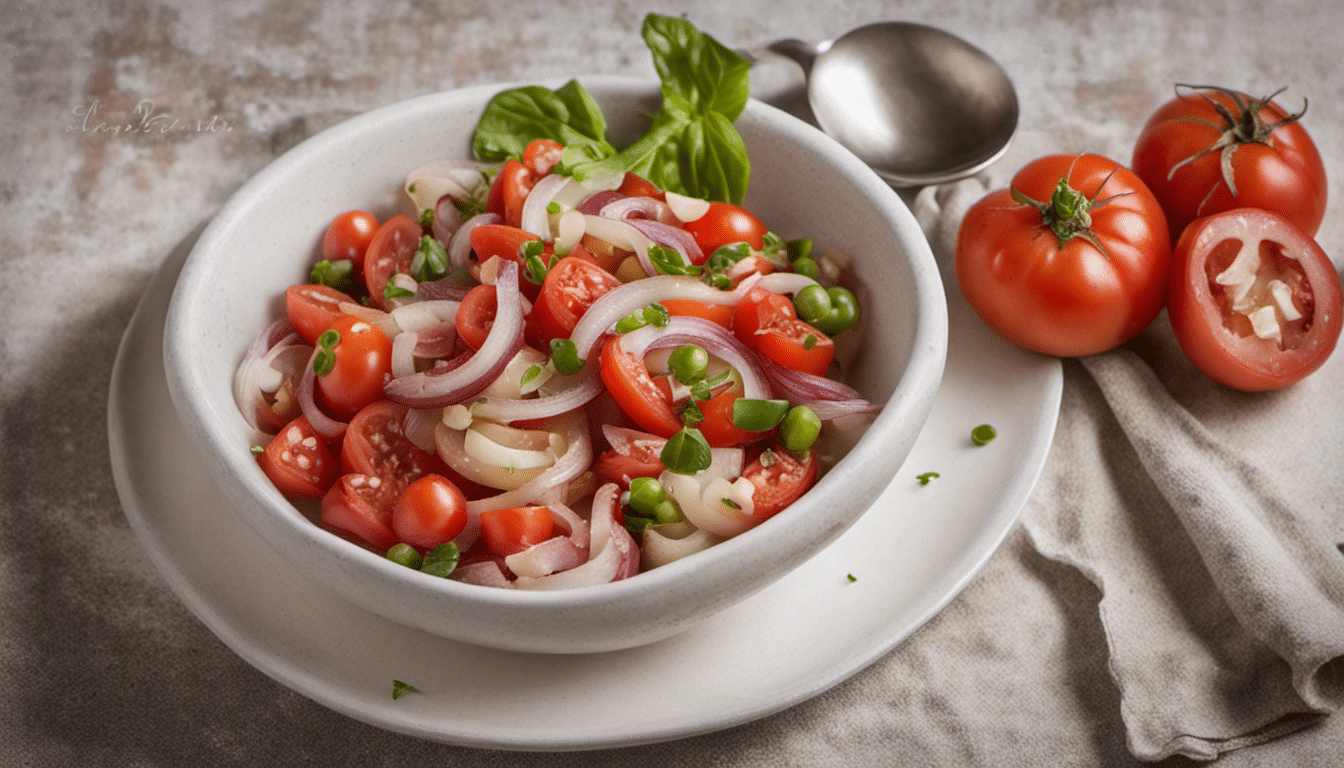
pixel 802 184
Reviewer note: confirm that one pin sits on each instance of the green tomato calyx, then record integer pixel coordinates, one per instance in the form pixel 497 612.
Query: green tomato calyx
pixel 1068 213
pixel 1246 126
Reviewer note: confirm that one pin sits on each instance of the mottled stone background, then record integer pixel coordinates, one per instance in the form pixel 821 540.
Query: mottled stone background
pixel 99 662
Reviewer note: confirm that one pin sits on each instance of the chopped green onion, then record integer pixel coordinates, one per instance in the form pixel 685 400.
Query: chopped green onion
pixel 773 248
pixel 394 291
pixel 983 434
pixel 688 363
pixel 851 577
pixel 427 218
pixel 755 415
pixel 529 375
pixel 925 477
pixel 691 415
pixel 727 502
pixel 657 315
pixel 258 449
pixel 442 560
pixel 404 554
pixel 338 274
pixel 800 429
pixel 534 269
pixel 635 524
pixel 799 248
pixel 631 322
pixel 325 359
pixel 430 261
pixel 810 341
pixel 686 452
pixel 532 248
pixel 565 357
pixel 398 688
pixel 554 208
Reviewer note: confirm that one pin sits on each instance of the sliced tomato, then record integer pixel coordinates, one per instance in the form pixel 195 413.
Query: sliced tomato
pixel 363 365
pixel 635 185
pixel 780 479
pixel 627 379
pixel 641 460
pixel 1288 318
pixel 313 308
pixel 541 155
pixel 768 324
pixel 361 506
pixel 348 237
pixel 376 445
pixel 389 253
pixel 476 315
pixel 298 461
pixel 718 427
pixel 715 313
pixel 509 190
pixel 570 288
pixel 506 242
pixel 506 531
pixel 431 511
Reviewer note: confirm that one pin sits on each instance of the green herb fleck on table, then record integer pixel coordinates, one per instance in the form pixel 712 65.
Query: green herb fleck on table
pixel 851 577
pixel 399 688
pixel 925 477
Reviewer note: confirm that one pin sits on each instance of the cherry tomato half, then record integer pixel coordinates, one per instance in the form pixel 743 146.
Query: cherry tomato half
pixel 376 445
pixel 768 324
pixel 541 155
pixel 348 237
pixel 361 506
pixel 627 379
pixel 363 364
pixel 725 223
pixel 1254 301
pixel 298 461
pixel 389 253
pixel 570 288
pixel 715 313
pixel 509 190
pixel 780 479
pixel 431 511
pixel 1199 162
pixel 506 531
pixel 1080 270
pixel 313 308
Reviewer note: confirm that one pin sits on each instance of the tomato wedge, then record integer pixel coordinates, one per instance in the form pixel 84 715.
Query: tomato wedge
pixel 376 445
pixel 768 324
pixel 506 531
pixel 780 479
pixel 715 313
pixel 313 308
pixel 628 381
pixel 389 253
pixel 570 288
pixel 1254 301
pixel 361 506
pixel 298 461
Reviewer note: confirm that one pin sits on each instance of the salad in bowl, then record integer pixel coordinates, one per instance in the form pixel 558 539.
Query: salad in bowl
pixel 483 373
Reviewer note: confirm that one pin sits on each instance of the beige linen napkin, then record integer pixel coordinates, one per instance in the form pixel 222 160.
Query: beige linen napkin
pixel 1220 574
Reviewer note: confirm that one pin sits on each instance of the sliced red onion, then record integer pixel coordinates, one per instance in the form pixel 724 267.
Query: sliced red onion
pixel 436 387
pixel 403 353
pixel 675 238
pixel 612 553
pixel 427 184
pixel 579 390
pixel 459 248
pixel 640 207
pixel 595 202
pixel 436 342
pixel 446 288
pixel 267 359
pixel 485 573
pixel 716 340
pixel 559 553
pixel 418 426
pixel 573 463
pixel 447 219
pixel 624 299
pixel 828 399
pixel 322 424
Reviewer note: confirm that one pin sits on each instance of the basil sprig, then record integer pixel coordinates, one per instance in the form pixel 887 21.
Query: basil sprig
pixel 691 146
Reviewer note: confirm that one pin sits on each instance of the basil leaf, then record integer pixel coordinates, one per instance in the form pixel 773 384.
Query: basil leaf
pixel 686 452
pixel 692 146
pixel 515 117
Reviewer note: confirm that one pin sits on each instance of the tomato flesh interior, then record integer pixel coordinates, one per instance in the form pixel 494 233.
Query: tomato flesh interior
pixel 1261 290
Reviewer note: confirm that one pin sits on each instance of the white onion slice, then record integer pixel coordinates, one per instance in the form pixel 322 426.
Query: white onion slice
pixel 418 426
pixel 622 300
pixel 686 208
pixel 675 238
pixel 534 217
pixel 578 391
pixel 437 178
pixel 459 248
pixel 575 461
pixel 485 573
pixel 658 549
pixel 638 207
pixel 436 388
pixel 559 553
pixel 612 554
pixel 403 353
pixel 785 282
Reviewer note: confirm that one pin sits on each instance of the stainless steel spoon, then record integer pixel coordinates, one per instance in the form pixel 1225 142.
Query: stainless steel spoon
pixel 919 105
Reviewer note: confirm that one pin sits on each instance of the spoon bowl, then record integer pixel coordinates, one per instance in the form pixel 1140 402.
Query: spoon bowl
pixel 919 105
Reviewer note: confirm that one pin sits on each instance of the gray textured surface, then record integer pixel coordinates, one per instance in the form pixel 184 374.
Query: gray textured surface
pixel 99 662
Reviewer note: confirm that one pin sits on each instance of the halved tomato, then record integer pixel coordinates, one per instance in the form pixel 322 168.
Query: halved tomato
pixel 780 479
pixel 390 252
pixel 570 288
pixel 298 461
pixel 1254 301
pixel 312 308
pixel 768 324
pixel 627 379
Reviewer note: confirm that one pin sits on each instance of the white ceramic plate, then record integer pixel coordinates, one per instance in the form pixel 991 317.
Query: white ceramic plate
pixel 909 555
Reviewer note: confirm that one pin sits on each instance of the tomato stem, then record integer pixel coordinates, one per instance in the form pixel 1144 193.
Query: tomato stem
pixel 1246 126
pixel 1069 211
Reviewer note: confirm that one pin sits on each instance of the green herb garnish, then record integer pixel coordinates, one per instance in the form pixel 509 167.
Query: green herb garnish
pixel 925 477
pixel 399 688
pixel 565 357
pixel 983 434
pixel 686 452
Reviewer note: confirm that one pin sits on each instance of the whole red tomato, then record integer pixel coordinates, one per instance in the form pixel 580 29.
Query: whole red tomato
pixel 1214 150
pixel 1072 260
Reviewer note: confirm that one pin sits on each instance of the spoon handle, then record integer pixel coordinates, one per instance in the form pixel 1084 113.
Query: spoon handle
pixel 804 53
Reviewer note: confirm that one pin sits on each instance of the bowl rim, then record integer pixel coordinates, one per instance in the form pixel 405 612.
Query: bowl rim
pixel 909 403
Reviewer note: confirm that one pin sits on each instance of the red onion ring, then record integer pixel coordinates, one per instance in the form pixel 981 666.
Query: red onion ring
pixel 586 386
pixel 675 238
pixel 828 399
pixel 573 463
pixel 716 340
pixel 275 340
pixel 322 424
pixel 594 203
pixel 622 300
pixel 640 207
pixel 438 387
pixel 447 219
pixel 612 552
